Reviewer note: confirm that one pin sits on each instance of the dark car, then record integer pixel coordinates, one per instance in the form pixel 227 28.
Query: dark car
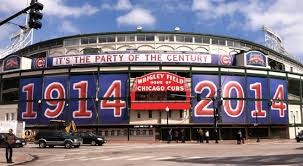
pixel 53 138
pixel 299 137
pixel 20 142
pixel 91 138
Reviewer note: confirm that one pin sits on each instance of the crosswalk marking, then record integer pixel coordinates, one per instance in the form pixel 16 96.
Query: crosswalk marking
pixel 141 158
pixel 116 158
pixel 194 157
pixel 94 158
pixel 66 159
pixel 164 158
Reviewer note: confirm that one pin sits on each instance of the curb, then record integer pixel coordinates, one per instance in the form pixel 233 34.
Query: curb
pixel 30 158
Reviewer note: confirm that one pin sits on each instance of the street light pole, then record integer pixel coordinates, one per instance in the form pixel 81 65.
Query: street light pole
pixel 215 121
pixel 257 125
pixel 167 110
pixel 295 124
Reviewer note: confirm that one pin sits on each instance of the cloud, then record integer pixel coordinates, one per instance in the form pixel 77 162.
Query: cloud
pixel 5 33
pixel 137 16
pixel 121 5
pixel 282 16
pixel 68 27
pixel 58 9
pixel 54 8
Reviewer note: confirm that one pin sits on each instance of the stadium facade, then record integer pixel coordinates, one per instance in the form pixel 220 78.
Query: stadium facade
pixel 137 85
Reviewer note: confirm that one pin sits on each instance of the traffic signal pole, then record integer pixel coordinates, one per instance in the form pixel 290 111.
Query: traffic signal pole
pixel 16 15
pixel 33 5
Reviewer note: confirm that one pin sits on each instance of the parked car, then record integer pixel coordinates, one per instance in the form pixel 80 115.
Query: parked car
pixel 20 142
pixel 53 138
pixel 299 137
pixel 91 138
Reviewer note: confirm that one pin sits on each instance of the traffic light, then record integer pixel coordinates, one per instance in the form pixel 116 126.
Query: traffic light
pixel 35 15
pixel 217 115
pixel 198 97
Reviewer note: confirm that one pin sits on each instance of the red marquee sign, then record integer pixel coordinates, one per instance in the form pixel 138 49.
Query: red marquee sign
pixel 158 90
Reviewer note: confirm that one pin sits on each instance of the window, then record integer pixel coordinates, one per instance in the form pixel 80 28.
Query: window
pixel 198 39
pixel 106 133
pixel 12 116
pixel 237 44
pixel 150 132
pixel 90 40
pixel 179 38
pixel 112 133
pixel 118 132
pixel 218 41
pixel 169 38
pixel 106 39
pixel 145 37
pixel 125 38
pixel 150 114
pixel 150 37
pixel 7 116
pixel 138 115
pixel 230 43
pixel 188 39
pixel 181 113
pixel 206 40
pixel 71 42
pixel 10 90
pixel 291 69
pixel 293 89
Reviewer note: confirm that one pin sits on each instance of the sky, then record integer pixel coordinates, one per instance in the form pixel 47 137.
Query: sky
pixel 235 18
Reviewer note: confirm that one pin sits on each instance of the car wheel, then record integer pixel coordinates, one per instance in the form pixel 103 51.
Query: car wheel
pixel 68 145
pixel 42 144
pixel 93 143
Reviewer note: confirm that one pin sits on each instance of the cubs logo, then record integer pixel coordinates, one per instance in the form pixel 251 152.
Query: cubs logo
pixel 39 63
pixel 226 60
pixel 12 63
pixel 256 58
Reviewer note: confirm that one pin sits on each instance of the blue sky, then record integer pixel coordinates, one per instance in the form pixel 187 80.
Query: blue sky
pixel 237 18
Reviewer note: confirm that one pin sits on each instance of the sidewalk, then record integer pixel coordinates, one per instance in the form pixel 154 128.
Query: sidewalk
pixel 248 141
pixel 18 158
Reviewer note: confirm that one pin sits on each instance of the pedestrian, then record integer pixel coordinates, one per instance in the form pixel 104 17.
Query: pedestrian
pixel 239 137
pixel 10 140
pixel 201 135
pixel 176 136
pixel 183 136
pixel 206 136
pixel 169 135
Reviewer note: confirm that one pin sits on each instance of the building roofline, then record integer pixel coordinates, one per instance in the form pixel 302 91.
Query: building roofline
pixel 165 32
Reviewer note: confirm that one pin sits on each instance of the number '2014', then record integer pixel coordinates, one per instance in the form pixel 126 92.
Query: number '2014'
pixel 204 107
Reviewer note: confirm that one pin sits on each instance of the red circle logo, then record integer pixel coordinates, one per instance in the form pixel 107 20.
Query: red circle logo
pixel 39 63
pixel 225 60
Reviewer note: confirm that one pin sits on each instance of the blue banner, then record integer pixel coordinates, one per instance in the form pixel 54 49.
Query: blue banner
pixel 278 94
pixel 257 88
pixel 84 85
pixel 30 93
pixel 204 87
pixel 233 112
pixel 113 90
pixel 83 111
pixel 233 87
pixel 258 112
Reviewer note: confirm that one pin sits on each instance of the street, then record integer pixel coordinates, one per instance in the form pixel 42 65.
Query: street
pixel 264 153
